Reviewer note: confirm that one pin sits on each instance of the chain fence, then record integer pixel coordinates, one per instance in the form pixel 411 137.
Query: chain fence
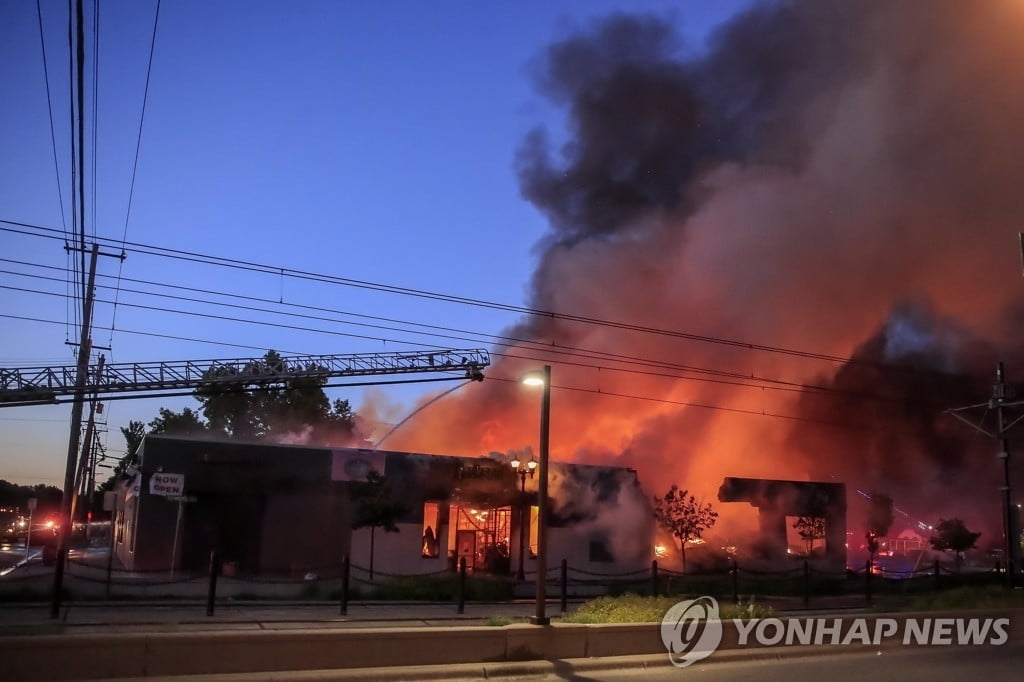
pixel 805 581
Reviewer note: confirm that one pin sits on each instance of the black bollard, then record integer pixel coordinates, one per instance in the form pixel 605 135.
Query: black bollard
pixel 462 586
pixel 345 566
pixel 938 580
pixel 867 580
pixel 735 583
pixel 211 595
pixel 654 577
pixel 807 584
pixel 565 586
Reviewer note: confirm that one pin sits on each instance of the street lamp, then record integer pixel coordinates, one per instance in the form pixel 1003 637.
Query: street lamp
pixel 524 470
pixel 542 379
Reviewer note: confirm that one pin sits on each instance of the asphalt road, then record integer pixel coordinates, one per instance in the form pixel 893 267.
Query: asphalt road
pixel 931 664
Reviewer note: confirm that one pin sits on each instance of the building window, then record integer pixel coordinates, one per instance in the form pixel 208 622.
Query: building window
pixel 480 535
pixel 431 525
pixel 599 551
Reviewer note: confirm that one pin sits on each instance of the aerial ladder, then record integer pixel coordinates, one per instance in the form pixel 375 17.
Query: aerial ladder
pixel 54 385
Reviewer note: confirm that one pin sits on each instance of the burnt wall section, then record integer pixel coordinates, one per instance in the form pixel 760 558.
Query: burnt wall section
pixel 777 499
pixel 286 509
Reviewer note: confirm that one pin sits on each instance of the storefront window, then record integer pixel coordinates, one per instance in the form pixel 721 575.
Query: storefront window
pixel 481 536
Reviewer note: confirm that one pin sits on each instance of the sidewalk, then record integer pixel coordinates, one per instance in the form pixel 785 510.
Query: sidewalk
pixel 170 616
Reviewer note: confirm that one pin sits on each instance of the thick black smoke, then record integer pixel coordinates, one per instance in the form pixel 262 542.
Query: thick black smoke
pixel 646 122
pixel 821 164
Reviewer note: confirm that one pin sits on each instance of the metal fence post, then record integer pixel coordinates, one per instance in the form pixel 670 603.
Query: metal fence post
pixel 345 566
pixel 735 583
pixel 110 554
pixel 654 577
pixel 462 586
pixel 807 584
pixel 211 594
pixel 938 580
pixel 867 580
pixel 565 586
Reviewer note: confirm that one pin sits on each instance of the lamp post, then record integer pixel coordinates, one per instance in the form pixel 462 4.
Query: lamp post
pixel 543 379
pixel 524 470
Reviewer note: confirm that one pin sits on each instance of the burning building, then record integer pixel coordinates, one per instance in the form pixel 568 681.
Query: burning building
pixel 781 254
pixel 776 500
pixel 291 509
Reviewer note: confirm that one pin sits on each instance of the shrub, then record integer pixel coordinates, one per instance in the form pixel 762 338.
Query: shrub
pixel 638 609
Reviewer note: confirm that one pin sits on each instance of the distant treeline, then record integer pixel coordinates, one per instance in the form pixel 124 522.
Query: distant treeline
pixel 13 495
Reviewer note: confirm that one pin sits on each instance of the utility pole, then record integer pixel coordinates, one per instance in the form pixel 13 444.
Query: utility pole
pixel 64 532
pixel 1002 398
pixel 88 447
pixel 1002 393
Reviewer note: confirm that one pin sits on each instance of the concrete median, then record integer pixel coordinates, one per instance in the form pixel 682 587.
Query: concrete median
pixel 159 654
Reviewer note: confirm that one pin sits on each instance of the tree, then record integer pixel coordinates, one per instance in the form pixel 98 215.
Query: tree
pixel 810 528
pixel 375 508
pixel 258 408
pixel 682 515
pixel 133 435
pixel 879 521
pixel 953 534
pixel 184 423
pixel 187 422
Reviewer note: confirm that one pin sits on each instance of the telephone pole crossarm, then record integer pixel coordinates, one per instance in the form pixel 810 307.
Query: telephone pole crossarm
pixel 977 427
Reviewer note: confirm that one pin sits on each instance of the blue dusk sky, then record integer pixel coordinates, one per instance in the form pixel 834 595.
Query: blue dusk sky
pixel 369 140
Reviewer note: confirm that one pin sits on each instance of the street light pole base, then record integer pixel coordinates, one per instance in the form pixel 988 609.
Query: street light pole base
pixel 540 620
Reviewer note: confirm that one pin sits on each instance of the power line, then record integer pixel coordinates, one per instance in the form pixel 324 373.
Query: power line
pixel 172 337
pixel 498 339
pixel 135 164
pixel 95 106
pixel 722 377
pixel 572 352
pixel 49 111
pixel 191 256
pixel 791 387
pixel 491 377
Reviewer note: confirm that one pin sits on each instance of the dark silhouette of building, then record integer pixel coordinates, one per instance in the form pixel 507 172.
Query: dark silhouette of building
pixel 775 500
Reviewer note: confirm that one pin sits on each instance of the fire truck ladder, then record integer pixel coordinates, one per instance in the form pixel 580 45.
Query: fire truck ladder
pixel 47 385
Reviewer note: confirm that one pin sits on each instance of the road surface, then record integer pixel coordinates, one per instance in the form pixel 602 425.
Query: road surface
pixel 930 664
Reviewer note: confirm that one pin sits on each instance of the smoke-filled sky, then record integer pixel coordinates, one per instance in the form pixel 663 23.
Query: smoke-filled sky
pixel 772 240
pixel 832 177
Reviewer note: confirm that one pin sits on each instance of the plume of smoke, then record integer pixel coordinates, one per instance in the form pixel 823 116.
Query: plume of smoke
pixel 834 176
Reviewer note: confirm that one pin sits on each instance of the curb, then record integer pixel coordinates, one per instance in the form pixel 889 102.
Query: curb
pixel 564 668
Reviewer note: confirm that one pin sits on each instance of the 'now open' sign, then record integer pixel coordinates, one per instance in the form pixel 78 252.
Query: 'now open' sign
pixel 161 483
